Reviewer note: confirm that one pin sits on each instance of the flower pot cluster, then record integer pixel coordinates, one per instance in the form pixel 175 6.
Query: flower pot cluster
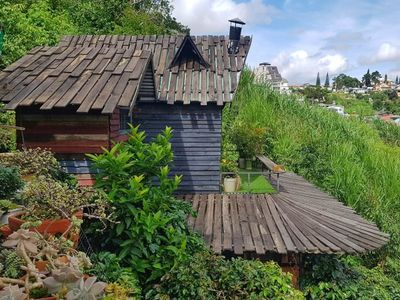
pixel 35 267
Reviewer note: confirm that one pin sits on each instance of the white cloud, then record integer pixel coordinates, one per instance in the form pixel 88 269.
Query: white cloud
pixel 299 66
pixel 387 52
pixel 211 16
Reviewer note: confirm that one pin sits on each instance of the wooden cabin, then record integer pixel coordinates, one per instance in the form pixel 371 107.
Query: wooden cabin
pixel 79 96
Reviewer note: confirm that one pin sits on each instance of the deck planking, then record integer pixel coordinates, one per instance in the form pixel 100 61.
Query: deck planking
pixel 299 219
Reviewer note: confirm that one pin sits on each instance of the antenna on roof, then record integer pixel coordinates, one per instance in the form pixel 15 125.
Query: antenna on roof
pixel 234 35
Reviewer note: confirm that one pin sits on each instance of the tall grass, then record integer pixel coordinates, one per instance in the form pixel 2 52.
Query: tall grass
pixel 344 156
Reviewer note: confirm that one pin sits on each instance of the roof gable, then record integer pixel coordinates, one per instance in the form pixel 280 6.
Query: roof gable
pixel 187 81
pixel 188 51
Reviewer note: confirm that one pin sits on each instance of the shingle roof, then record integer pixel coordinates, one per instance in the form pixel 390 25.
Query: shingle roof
pixel 88 77
pixel 188 82
pixel 103 72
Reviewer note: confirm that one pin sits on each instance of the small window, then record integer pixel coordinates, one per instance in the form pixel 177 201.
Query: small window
pixel 124 119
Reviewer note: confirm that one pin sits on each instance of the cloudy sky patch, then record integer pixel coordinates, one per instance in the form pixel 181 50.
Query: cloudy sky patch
pixel 306 37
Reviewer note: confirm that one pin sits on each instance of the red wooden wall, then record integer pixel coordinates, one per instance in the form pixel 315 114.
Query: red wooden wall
pixel 64 132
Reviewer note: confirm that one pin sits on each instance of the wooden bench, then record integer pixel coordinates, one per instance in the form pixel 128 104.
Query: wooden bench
pixel 272 168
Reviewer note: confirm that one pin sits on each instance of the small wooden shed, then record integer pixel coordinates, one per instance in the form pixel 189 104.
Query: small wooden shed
pixel 79 96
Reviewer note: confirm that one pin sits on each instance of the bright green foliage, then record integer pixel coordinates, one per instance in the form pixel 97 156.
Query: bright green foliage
pixel 389 132
pixel 7 135
pixel 107 268
pixel 10 264
pixel 343 80
pixel 10 181
pixel 209 277
pixel 151 233
pixel 229 157
pixel 258 184
pixel 42 22
pixel 28 24
pixel 352 105
pixel 344 278
pixel 344 156
pixel 248 137
pixel 314 93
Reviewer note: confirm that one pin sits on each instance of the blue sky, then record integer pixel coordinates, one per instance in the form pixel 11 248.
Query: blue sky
pixel 306 37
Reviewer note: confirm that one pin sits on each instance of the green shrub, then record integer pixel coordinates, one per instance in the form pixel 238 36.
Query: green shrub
pixel 229 157
pixel 151 233
pixel 207 276
pixel 10 181
pixel 7 135
pixel 389 132
pixel 32 161
pixel 330 277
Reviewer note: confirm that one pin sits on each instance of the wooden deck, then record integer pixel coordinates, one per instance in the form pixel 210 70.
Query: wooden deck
pixel 299 219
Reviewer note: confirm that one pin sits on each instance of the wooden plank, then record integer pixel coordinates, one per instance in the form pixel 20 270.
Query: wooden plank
pixel 199 223
pixel 94 92
pixel 187 87
pixel 203 87
pixel 226 222
pixel 217 232
pixel 278 222
pixel 172 89
pixel 265 234
pixel 250 203
pixel 236 229
pixel 73 90
pixel 278 242
pixel 244 224
pixel 209 220
pixel 195 207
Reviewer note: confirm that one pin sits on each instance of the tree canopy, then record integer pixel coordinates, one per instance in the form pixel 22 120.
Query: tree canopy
pixel 343 80
pixel 29 23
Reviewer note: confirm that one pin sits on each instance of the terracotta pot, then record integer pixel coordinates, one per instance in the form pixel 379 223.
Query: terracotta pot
pixel 5 216
pixel 47 298
pixel 5 230
pixel 41 265
pixel 52 227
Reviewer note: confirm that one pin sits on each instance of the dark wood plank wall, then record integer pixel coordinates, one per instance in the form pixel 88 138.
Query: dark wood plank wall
pixel 196 140
pixel 64 132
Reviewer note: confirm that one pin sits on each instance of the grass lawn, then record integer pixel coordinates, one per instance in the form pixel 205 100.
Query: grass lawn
pixel 258 184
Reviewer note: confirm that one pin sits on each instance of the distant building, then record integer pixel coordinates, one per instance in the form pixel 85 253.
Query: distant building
pixel 337 108
pixel 269 74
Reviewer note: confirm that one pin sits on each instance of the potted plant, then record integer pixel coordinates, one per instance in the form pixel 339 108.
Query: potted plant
pixel 63 277
pixel 52 207
pixel 229 165
pixel 249 140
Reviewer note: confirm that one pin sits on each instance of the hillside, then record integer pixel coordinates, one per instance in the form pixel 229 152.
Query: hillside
pixel 344 156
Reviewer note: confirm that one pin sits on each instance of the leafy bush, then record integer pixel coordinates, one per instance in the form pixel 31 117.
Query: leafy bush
pixel 229 157
pixel 32 161
pixel 10 181
pixel 45 198
pixel 7 135
pixel 389 132
pixel 151 233
pixel 248 137
pixel 41 22
pixel 329 277
pixel 207 276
